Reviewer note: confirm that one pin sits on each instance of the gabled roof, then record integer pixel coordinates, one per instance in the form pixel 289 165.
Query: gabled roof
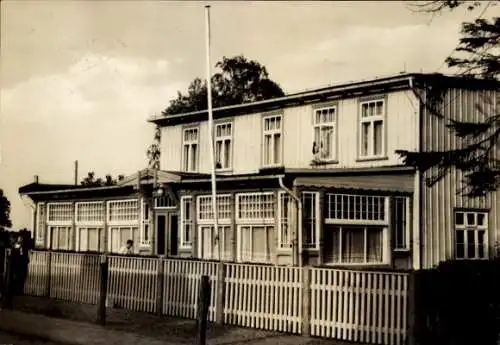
pixel 147 177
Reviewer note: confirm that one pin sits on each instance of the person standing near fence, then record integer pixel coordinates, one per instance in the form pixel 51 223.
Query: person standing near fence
pixel 19 263
pixel 128 248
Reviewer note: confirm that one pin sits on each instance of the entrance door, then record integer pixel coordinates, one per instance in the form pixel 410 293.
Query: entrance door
pixel 161 231
pixel 174 244
pixel 167 234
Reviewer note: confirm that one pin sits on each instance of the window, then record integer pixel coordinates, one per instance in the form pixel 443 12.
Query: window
pixel 60 237
pixel 123 211
pixel 310 225
pixel 324 133
pixel 190 149
pixel 372 141
pixel 256 225
pixel 59 221
pixel 165 202
pixel 90 239
pixel 60 212
pixel 118 236
pixel 285 209
pixel 145 224
pixel 186 221
pixel 356 229
pixel 208 243
pixel 40 224
pixel 353 244
pixel 223 138
pixel 400 222
pixel 89 212
pixel 272 141
pixel 255 206
pixel 471 235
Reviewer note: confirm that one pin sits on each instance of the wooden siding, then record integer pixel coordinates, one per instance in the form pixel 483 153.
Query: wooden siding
pixel 439 201
pixel 298 136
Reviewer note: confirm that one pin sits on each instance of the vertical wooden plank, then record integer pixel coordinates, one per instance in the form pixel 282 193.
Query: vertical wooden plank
pixel 306 301
pixel 159 286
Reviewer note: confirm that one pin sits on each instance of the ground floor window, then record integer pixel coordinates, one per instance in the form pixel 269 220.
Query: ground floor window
pixel 256 243
pixel 118 236
pixel 353 244
pixel 209 245
pixel 60 237
pixel 90 239
pixel 471 231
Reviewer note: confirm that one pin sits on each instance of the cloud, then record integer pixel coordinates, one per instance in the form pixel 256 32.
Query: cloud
pixel 94 112
pixel 366 51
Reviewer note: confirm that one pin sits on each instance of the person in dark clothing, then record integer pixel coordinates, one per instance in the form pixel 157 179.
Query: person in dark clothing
pixel 19 261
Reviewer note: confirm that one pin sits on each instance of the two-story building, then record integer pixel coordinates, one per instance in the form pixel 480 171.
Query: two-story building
pixel 309 178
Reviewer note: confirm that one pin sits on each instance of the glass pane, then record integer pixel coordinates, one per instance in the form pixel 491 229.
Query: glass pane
pixel 277 149
pixel 365 132
pixel 374 245
pixel 378 137
pixel 364 110
pixel 481 219
pixel 83 246
pixel 63 238
pixel 331 238
pixel 460 244
pixel 246 244
pixel 227 154
pixel 93 239
pixel 353 245
pixel 471 244
pixel 471 218
pixel 260 250
pixel 186 157
pixel 267 149
pixel 459 218
pixel 218 152
pixel 194 155
pixel 481 244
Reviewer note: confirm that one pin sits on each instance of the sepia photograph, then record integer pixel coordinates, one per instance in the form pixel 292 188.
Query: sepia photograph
pixel 249 172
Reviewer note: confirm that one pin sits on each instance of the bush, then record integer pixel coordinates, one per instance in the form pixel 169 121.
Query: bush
pixel 459 303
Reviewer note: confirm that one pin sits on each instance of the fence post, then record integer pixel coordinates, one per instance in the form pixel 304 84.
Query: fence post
pixel 49 274
pixel 306 301
pixel 203 305
pixel 221 293
pixel 103 287
pixel 8 288
pixel 159 286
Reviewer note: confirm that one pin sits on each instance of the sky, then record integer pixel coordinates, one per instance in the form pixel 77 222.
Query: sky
pixel 80 78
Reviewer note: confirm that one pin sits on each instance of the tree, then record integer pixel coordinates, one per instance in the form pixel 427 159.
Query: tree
pixel 4 211
pixel 479 159
pixel 91 181
pixel 239 81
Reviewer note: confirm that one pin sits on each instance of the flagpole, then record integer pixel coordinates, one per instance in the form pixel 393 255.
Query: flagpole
pixel 211 132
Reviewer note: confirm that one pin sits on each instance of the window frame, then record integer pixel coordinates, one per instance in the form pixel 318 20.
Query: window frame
pixel 285 220
pixel 408 223
pixel 241 238
pixel 253 221
pixel 146 223
pixel 90 222
pixel 315 125
pixel 183 244
pixel 219 197
pixel 222 139
pixel 69 236
pixel 272 133
pixel 476 228
pixel 41 224
pixel 60 222
pixel 371 136
pixel 190 143
pixel 384 224
pixel 86 228
pixel 317 222
pixel 124 223
pixel 225 230
pixel 131 227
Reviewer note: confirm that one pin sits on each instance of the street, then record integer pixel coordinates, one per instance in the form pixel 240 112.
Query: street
pixel 14 339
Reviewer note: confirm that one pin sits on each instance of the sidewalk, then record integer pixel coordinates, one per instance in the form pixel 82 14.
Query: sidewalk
pixel 73 324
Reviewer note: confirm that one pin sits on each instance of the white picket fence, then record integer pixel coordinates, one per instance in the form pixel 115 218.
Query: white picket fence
pixel 352 305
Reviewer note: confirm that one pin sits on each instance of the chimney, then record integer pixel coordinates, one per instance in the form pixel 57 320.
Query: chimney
pixel 76 173
pixel 36 179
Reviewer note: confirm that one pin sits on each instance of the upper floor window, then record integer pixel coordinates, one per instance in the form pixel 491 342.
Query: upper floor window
pixel 190 142
pixel 372 141
pixel 273 144
pixel 471 232
pixel 324 133
pixel 223 140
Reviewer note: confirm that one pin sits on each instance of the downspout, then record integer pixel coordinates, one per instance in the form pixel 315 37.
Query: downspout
pixel 297 236
pixel 417 208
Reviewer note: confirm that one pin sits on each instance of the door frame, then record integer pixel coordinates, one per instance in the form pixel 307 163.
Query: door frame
pixel 168 224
